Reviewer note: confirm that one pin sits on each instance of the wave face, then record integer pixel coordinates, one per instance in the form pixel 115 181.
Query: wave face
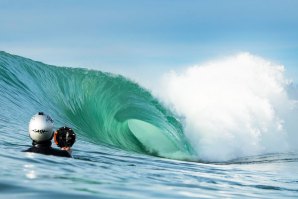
pixel 102 108
pixel 234 107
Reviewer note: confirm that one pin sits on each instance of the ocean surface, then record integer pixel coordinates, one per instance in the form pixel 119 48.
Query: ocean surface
pixel 132 144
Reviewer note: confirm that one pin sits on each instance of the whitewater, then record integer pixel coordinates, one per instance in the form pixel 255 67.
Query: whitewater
pixel 234 107
pixel 226 128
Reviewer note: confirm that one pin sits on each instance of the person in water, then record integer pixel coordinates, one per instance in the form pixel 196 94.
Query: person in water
pixel 41 132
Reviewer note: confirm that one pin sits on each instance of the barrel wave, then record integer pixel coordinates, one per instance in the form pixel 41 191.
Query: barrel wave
pixel 103 108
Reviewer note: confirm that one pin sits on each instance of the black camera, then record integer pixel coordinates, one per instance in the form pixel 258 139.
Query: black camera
pixel 64 137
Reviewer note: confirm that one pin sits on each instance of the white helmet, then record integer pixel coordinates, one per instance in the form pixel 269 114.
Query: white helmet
pixel 41 127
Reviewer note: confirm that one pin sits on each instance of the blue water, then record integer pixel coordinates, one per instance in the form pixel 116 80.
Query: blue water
pixel 112 156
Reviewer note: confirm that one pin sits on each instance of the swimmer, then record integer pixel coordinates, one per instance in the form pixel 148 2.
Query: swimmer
pixel 41 132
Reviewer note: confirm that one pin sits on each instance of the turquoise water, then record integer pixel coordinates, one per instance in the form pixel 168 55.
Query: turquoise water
pixel 129 145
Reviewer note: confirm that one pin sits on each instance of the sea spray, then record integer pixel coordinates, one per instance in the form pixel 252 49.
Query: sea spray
pixel 234 107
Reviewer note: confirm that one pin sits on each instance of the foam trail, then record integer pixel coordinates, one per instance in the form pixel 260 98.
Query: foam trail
pixel 234 107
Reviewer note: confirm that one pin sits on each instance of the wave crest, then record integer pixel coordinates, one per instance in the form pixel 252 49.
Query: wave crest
pixel 102 108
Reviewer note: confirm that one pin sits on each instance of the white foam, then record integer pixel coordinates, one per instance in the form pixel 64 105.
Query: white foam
pixel 234 107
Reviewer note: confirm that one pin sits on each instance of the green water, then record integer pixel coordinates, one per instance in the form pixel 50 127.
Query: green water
pixel 103 108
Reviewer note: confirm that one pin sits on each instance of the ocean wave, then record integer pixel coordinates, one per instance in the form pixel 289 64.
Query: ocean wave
pixel 103 108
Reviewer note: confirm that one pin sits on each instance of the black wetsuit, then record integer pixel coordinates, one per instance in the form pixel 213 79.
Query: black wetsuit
pixel 46 149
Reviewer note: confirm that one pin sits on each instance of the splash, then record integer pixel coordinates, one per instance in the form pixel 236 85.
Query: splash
pixel 234 107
